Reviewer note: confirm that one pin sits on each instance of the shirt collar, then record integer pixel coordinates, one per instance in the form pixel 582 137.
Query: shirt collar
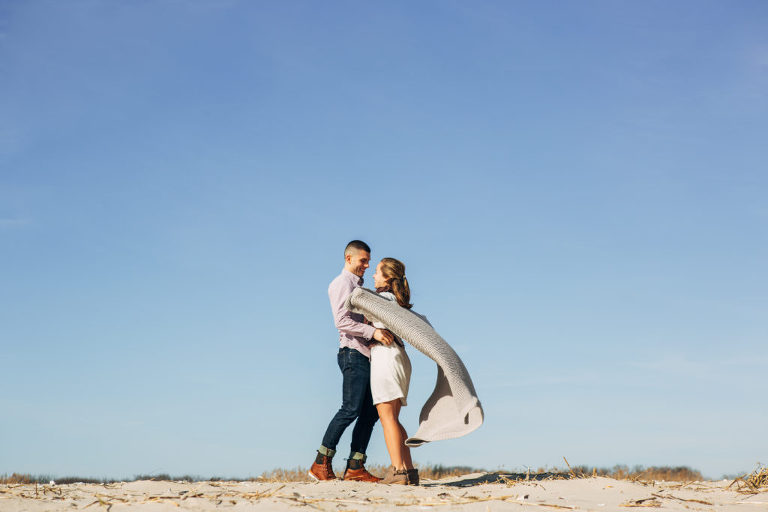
pixel 353 277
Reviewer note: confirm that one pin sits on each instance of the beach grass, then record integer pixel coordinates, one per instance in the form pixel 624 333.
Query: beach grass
pixel 298 474
pixel 756 480
pixel 753 482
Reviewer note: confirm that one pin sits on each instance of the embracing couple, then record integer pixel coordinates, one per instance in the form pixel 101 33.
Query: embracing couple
pixel 376 373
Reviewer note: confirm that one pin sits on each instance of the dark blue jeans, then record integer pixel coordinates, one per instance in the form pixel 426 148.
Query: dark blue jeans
pixel 357 403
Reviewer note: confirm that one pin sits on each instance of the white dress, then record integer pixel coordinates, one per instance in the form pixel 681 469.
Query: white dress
pixel 390 368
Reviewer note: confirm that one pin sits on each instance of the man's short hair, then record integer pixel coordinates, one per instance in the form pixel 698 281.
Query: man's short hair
pixel 357 245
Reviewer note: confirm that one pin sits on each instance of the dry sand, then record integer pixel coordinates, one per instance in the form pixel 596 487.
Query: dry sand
pixel 476 492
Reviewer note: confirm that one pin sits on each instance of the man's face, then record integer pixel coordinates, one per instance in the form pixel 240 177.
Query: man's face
pixel 358 261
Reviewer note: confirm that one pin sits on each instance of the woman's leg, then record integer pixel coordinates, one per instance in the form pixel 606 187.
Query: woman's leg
pixel 406 450
pixel 393 432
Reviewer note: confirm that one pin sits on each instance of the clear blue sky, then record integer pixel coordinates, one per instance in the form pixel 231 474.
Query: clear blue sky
pixel 578 190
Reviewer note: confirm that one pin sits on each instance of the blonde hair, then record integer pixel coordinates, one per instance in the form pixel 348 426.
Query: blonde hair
pixel 394 272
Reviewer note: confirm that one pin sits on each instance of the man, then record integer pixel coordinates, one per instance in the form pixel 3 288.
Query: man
pixel 354 362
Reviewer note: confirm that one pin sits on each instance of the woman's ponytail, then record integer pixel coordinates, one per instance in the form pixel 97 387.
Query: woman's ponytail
pixel 394 271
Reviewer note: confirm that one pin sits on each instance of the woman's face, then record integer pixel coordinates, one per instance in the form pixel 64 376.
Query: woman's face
pixel 379 281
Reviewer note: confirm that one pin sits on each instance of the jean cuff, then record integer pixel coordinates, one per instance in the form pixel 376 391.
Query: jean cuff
pixel 358 456
pixel 326 451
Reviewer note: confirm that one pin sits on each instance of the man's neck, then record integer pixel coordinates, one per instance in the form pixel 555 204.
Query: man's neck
pixel 350 271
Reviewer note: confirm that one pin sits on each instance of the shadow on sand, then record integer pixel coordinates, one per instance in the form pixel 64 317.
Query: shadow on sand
pixel 497 477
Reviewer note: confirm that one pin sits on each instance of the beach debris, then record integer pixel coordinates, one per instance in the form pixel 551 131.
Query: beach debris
pixel 643 502
pixel 670 497
pixel 473 493
pixel 754 482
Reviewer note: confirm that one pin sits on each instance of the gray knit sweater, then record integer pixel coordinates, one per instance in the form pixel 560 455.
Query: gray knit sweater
pixel 453 409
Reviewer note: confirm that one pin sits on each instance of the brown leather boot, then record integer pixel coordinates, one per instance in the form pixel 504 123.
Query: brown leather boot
pixel 356 471
pixel 322 469
pixel 413 476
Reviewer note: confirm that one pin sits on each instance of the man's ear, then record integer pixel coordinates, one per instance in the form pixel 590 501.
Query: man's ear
pixel 347 258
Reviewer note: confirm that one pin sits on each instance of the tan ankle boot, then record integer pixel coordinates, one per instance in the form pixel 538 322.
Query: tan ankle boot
pixel 395 476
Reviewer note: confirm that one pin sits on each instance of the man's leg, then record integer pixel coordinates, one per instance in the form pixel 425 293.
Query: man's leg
pixel 361 434
pixel 355 380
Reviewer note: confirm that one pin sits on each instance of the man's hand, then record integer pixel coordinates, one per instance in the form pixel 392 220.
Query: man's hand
pixel 383 336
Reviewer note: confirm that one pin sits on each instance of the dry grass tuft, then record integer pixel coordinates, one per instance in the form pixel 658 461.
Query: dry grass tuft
pixel 284 475
pixel 639 473
pixel 165 477
pixel 759 478
pixel 17 478
pixel 299 474
pixel 755 482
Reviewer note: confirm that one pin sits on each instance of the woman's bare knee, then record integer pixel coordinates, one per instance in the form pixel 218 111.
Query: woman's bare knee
pixel 385 411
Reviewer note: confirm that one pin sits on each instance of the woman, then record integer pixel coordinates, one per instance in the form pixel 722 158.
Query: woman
pixel 391 375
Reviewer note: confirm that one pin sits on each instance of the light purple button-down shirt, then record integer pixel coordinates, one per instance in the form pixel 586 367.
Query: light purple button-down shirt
pixel 353 333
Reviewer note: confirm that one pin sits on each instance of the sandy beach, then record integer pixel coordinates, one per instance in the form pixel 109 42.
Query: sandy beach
pixel 475 492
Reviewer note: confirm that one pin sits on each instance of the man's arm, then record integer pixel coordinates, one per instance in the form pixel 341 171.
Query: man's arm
pixel 342 317
pixel 346 324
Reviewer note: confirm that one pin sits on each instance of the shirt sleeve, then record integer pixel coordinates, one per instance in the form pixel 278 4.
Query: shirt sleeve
pixel 344 319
